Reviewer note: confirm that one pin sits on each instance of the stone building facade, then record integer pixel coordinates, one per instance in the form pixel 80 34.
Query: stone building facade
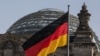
pixel 10 45
pixel 83 44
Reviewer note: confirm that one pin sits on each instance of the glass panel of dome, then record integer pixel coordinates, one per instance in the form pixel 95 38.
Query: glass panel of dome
pixel 74 24
pixel 18 26
pixel 12 31
pixel 25 30
pixel 29 22
pixel 73 27
pixel 70 27
pixel 44 24
pixel 23 25
pixel 53 18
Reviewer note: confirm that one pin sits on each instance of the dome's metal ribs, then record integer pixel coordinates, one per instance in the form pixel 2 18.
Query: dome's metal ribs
pixel 35 21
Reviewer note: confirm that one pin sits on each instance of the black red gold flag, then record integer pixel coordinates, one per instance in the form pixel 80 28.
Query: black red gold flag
pixel 48 39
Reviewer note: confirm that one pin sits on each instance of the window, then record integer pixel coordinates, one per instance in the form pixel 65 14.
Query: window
pixel 8 52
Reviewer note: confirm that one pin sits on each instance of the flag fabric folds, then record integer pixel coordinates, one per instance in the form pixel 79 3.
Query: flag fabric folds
pixel 47 40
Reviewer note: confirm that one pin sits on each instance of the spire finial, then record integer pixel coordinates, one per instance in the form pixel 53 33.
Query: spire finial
pixel 84 6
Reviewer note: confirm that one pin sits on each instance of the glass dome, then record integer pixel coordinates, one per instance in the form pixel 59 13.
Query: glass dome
pixel 33 22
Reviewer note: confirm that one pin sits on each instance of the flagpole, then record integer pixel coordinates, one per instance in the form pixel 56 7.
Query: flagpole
pixel 68 30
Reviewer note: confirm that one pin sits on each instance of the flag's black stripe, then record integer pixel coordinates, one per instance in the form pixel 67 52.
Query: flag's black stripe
pixel 45 32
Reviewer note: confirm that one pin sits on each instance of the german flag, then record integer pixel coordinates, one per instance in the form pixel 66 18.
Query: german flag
pixel 48 39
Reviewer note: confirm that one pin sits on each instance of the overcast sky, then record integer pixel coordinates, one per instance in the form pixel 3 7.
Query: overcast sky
pixel 12 10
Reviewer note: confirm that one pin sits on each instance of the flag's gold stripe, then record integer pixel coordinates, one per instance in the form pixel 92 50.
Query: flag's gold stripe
pixel 61 41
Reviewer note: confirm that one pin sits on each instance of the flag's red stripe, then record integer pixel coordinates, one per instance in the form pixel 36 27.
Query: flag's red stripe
pixel 35 49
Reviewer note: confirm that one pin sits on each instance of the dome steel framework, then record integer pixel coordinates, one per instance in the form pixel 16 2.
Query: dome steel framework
pixel 32 23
